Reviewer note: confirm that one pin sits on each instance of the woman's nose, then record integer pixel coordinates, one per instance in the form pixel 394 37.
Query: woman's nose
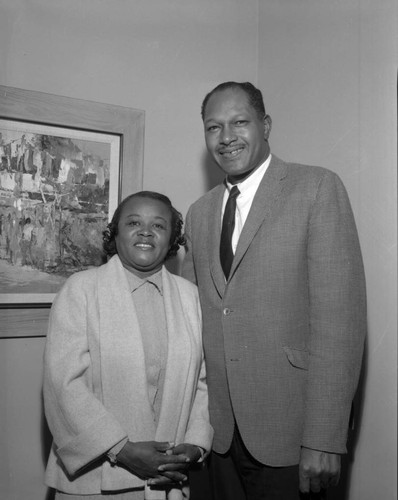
pixel 146 231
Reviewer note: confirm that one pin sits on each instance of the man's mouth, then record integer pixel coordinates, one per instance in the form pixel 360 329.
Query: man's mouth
pixel 230 153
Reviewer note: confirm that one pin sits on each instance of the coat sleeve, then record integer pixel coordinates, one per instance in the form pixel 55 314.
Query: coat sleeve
pixel 337 317
pixel 82 428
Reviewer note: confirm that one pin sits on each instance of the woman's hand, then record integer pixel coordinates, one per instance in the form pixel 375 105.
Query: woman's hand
pixel 145 459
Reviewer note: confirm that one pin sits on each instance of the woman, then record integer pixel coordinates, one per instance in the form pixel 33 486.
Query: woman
pixel 124 379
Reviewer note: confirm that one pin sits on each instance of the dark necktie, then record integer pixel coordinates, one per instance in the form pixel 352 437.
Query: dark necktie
pixel 228 225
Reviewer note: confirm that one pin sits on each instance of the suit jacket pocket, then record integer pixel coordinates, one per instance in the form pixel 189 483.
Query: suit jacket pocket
pixel 297 357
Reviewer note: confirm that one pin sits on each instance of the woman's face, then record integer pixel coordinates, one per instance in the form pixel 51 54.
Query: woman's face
pixel 144 233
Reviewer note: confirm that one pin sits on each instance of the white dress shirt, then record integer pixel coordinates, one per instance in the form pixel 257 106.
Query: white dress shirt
pixel 247 190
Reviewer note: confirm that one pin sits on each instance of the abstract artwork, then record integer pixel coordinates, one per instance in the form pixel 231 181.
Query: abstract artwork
pixel 58 188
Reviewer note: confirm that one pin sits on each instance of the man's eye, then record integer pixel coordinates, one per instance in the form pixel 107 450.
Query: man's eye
pixel 212 128
pixel 239 123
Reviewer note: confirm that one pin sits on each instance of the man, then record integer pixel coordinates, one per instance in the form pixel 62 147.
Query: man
pixel 284 326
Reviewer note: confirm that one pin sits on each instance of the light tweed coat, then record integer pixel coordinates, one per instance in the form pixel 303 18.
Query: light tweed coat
pixel 284 337
pixel 95 389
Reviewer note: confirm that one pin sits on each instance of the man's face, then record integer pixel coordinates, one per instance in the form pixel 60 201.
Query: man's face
pixel 235 136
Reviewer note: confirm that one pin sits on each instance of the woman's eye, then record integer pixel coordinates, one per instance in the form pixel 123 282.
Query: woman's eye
pixel 158 226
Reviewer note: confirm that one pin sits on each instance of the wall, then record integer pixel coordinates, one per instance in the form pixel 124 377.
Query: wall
pixel 328 70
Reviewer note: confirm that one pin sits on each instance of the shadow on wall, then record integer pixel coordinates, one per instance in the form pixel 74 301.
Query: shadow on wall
pixel 46 440
pixel 341 492
pixel 213 176
pixel 212 172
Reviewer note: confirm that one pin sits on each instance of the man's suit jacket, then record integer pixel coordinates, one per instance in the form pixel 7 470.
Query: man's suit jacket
pixel 283 338
pixel 95 386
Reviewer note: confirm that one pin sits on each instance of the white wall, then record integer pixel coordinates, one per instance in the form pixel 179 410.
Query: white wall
pixel 24 438
pixel 328 70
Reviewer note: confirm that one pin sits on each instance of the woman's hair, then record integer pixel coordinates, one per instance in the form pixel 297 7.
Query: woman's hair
pixel 176 239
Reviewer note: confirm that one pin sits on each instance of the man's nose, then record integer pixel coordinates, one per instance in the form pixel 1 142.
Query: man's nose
pixel 227 135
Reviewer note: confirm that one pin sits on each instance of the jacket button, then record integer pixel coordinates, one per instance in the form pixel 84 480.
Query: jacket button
pixel 226 311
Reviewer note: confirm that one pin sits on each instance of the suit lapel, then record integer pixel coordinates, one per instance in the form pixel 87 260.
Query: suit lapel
pixel 213 241
pixel 265 199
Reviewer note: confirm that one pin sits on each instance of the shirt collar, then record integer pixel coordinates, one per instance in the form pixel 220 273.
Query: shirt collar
pixel 135 282
pixel 254 179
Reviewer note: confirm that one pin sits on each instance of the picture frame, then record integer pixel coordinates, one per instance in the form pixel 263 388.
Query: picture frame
pixel 65 164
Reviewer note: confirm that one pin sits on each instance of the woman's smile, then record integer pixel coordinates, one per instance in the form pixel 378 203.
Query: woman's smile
pixel 144 232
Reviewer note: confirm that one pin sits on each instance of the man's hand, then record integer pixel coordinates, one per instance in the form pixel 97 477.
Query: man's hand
pixel 190 451
pixel 188 454
pixel 145 458
pixel 318 470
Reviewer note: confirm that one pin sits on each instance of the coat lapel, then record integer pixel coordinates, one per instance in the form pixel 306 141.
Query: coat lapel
pixel 120 338
pixel 265 199
pixel 213 241
pixel 178 361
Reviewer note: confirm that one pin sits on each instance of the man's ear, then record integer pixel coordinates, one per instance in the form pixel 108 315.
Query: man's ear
pixel 267 126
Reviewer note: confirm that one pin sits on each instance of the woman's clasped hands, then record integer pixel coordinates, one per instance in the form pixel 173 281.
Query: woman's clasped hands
pixel 161 463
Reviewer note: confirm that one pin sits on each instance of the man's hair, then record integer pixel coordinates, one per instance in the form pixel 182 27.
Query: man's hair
pixel 176 239
pixel 254 96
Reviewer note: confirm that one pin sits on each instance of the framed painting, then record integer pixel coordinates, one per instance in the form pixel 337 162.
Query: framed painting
pixel 64 166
